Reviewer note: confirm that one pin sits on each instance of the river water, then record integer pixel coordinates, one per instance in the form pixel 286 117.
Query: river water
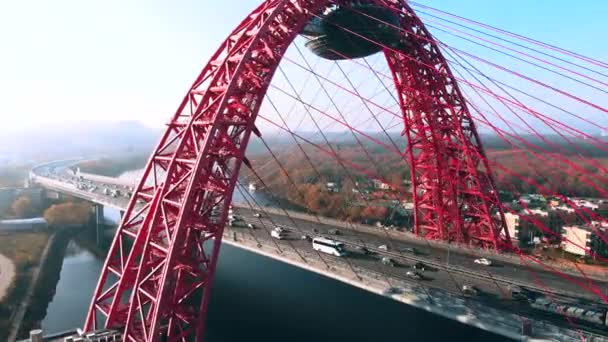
pixel 258 299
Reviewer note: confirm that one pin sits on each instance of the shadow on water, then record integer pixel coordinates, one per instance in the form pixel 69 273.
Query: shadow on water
pixel 258 299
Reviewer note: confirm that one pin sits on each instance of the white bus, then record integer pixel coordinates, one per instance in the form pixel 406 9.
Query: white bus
pixel 328 246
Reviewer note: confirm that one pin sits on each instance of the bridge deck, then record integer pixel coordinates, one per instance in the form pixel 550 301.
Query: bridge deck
pixel 440 292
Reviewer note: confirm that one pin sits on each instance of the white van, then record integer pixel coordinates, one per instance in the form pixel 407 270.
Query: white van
pixel 328 246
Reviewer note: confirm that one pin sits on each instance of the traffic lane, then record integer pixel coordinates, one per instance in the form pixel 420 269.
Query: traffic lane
pixel 523 274
pixel 436 278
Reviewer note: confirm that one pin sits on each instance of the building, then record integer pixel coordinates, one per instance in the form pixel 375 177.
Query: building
pixel 524 199
pixel 578 238
pixel 381 185
pixel 407 205
pixel 332 187
pixel 536 211
pixel 529 198
pixel 589 203
pixel 565 208
pixel 512 222
pixel 537 197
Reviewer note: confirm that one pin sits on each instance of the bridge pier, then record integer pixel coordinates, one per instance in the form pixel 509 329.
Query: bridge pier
pixel 99 223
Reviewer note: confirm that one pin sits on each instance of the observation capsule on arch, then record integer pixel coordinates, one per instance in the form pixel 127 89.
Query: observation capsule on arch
pixel 352 31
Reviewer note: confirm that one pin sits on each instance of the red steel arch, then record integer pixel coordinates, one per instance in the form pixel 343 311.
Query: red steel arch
pixel 157 277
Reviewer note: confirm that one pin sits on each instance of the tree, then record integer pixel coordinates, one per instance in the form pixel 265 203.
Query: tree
pixel 374 213
pixel 23 207
pixel 68 214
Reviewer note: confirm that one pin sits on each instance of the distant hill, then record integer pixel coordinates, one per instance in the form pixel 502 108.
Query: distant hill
pixel 80 138
pixel 107 139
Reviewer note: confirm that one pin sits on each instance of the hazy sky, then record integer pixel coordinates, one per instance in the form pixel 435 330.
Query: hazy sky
pixel 133 60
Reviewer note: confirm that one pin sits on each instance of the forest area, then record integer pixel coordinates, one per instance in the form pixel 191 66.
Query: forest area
pixel 559 170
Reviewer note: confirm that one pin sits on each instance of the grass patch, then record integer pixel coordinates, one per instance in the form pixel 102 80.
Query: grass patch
pixel 23 248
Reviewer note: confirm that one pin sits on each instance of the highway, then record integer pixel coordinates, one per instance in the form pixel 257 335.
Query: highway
pixel 448 271
pixel 456 260
pixel 401 250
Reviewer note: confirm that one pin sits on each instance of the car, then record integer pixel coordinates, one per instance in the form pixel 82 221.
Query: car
pixel 483 261
pixel 413 275
pixel 383 247
pixel 393 291
pixel 257 215
pixel 250 225
pixel 305 237
pixel 410 250
pixel 334 232
pixel 364 250
pixel 280 229
pixel 519 293
pixel 469 290
pixel 278 234
pixel 387 261
pixel 419 266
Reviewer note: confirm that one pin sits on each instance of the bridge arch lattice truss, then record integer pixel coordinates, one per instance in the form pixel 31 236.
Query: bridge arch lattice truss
pixel 157 277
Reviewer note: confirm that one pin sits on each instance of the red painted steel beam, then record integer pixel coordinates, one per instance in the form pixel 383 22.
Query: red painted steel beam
pixel 156 280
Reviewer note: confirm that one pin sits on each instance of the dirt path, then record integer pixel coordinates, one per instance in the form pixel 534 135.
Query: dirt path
pixel 7 274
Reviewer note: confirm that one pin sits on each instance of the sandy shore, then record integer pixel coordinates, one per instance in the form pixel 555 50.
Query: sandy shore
pixel 7 274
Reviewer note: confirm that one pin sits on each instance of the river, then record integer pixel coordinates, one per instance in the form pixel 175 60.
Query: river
pixel 256 298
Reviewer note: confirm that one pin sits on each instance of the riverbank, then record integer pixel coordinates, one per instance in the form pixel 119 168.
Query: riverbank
pixel 20 313
pixel 24 250
pixel 7 275
pixel 42 286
